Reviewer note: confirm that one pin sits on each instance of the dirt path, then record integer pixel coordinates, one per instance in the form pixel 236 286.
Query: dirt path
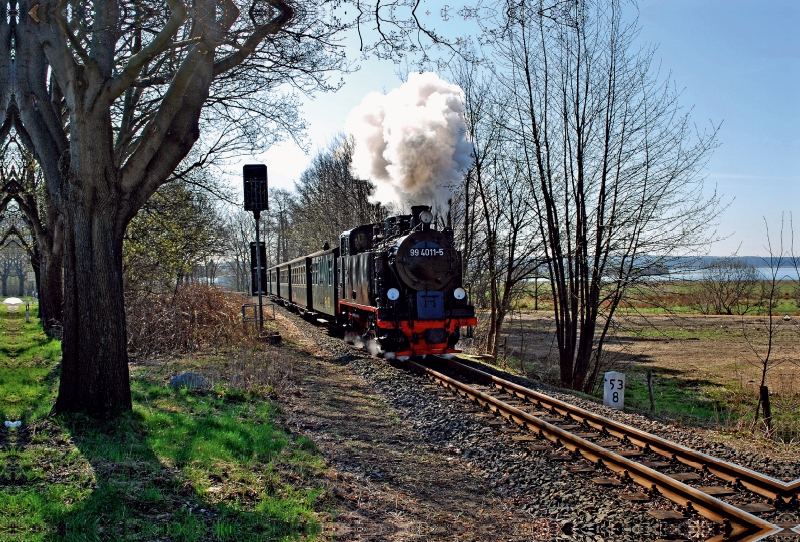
pixel 393 487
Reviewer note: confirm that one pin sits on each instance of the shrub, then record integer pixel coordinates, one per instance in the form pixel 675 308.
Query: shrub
pixel 190 318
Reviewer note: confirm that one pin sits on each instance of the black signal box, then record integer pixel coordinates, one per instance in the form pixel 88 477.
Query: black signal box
pixel 255 187
pixel 254 266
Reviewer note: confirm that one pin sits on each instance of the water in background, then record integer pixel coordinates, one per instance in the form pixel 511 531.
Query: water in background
pixel 784 273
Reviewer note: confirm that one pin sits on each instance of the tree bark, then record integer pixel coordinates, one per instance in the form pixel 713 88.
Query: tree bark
pixel 94 372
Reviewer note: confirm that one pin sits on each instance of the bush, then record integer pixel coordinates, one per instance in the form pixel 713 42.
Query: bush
pixel 191 318
pixel 728 286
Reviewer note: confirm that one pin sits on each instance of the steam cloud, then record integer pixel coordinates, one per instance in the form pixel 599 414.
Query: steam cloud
pixel 411 142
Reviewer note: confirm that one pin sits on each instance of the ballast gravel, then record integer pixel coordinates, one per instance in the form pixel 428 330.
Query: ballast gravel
pixel 542 498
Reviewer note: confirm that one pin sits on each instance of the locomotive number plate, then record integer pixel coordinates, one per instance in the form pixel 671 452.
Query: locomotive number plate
pixel 426 252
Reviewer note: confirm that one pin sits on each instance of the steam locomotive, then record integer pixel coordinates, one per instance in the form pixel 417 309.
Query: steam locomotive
pixel 396 284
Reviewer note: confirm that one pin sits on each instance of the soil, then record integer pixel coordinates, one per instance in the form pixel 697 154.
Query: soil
pixel 710 349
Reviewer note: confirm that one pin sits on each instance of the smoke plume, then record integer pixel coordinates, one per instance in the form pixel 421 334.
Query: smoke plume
pixel 411 142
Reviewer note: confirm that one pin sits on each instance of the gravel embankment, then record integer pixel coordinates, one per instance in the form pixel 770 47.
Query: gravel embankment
pixel 697 439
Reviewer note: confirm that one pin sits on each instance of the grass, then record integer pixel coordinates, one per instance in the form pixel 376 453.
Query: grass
pixel 665 297
pixel 26 373
pixel 679 333
pixel 183 465
pixel 675 397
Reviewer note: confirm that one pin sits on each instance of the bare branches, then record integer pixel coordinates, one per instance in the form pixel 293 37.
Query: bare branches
pixel 161 42
pixel 608 156
pixel 285 14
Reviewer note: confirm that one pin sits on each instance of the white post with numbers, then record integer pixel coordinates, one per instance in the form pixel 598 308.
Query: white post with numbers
pixel 614 390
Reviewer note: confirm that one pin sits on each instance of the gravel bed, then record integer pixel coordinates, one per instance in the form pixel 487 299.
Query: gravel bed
pixel 781 469
pixel 543 487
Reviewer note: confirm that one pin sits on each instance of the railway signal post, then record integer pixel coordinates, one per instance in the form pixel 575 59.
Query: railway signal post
pixel 256 200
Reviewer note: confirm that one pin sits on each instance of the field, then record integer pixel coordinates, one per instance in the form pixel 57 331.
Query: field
pixel 706 368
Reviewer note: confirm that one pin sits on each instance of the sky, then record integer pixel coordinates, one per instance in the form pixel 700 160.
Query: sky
pixel 737 63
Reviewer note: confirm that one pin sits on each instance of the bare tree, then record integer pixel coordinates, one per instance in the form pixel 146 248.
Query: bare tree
pixel 7 258
pixel 610 160
pixel 494 205
pixel 17 245
pixel 280 222
pixel 240 231
pixel 111 97
pixel 728 286
pixel 328 199
pixel 762 341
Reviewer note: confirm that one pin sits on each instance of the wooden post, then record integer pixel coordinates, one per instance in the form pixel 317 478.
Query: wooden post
pixel 650 390
pixel 767 408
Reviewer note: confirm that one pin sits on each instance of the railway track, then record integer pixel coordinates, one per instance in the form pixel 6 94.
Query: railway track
pixel 748 505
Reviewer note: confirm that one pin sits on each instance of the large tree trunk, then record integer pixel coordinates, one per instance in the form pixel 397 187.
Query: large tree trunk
pixel 94 373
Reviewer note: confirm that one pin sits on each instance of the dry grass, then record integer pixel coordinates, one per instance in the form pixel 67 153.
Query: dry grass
pixel 189 319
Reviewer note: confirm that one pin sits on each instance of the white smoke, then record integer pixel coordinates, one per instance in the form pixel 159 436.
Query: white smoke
pixel 411 142
pixel 354 339
pixel 373 347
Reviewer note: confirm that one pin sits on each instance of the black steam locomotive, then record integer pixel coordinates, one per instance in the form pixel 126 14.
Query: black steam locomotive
pixel 395 283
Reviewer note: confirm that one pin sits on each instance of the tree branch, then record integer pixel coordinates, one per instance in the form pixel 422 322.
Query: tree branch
pixel 160 43
pixel 286 12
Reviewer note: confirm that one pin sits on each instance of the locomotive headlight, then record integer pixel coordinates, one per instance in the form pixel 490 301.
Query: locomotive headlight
pixel 459 293
pixel 426 217
pixel 393 294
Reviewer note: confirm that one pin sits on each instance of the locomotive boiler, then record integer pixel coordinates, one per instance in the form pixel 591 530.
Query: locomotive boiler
pixel 396 284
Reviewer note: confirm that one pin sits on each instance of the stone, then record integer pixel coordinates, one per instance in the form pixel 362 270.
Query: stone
pixel 188 380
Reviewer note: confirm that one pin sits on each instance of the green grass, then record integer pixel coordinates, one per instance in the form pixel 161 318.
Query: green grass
pixel 679 333
pixel 183 465
pixel 662 297
pixel 26 371
pixel 674 397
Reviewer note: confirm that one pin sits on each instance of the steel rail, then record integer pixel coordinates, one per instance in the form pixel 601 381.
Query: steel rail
pixel 754 481
pixel 739 525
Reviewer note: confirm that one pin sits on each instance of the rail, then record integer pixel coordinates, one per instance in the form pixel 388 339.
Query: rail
pixel 739 525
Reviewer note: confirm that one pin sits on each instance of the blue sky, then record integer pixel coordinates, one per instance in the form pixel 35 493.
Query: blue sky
pixel 737 62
